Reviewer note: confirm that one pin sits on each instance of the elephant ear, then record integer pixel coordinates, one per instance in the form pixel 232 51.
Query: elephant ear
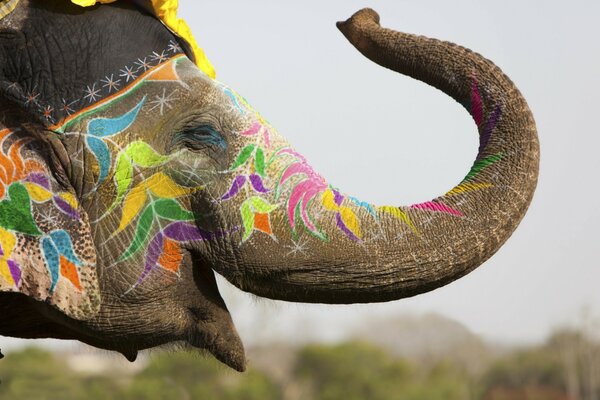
pixel 46 246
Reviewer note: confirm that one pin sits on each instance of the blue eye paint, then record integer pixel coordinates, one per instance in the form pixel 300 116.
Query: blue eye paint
pixel 202 135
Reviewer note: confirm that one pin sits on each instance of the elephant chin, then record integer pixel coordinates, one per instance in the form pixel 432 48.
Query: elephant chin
pixel 213 328
pixel 224 345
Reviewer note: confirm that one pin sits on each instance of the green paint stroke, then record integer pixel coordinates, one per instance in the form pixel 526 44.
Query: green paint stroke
pixel 15 211
pixel 144 155
pixel 482 164
pixel 262 206
pixel 243 156
pixel 123 178
pixel 259 162
pixel 172 210
pixel 142 233
pixel 247 219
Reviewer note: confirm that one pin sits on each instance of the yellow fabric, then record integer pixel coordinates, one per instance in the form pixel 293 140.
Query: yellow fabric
pixel 166 11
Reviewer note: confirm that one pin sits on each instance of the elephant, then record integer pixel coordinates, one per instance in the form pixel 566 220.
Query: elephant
pixel 130 175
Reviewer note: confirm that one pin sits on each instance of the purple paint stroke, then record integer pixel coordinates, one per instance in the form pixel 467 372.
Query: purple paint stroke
pixel 489 127
pixel 476 103
pixel 337 197
pixel 15 271
pixel 344 228
pixel 39 179
pixel 257 184
pixel 179 232
pixel 237 184
pixel 186 232
pixel 152 254
pixel 66 208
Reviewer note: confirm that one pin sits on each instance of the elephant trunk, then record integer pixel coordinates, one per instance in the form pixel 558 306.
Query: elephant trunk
pixel 404 251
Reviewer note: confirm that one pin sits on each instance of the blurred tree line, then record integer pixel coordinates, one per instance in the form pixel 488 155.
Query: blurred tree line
pixel 566 367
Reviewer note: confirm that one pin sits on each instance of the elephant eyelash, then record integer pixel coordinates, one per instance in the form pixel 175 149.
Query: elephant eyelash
pixel 201 137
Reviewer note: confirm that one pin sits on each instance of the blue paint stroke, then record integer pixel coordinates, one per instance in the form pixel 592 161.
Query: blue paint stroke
pixel 104 127
pixel 52 261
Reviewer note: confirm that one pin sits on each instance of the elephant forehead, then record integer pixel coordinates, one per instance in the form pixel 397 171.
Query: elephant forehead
pixel 139 105
pixel 62 60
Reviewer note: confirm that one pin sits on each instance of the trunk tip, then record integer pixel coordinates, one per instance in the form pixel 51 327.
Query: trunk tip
pixel 354 28
pixel 359 18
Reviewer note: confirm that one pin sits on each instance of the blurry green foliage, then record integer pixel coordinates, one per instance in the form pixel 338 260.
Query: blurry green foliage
pixel 356 371
pixel 563 368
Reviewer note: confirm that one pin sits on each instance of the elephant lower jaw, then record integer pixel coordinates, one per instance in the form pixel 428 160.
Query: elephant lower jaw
pixel 213 328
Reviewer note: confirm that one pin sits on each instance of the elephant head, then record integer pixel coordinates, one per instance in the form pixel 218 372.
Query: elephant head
pixel 129 175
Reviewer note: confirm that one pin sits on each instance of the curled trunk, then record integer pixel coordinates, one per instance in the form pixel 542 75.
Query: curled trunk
pixel 424 246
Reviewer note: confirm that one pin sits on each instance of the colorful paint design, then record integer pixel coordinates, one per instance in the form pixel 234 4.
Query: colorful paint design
pixel 28 211
pixel 153 211
pixel 297 188
pixel 147 201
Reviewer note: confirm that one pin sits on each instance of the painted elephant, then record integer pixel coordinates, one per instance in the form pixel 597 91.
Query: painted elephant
pixel 129 175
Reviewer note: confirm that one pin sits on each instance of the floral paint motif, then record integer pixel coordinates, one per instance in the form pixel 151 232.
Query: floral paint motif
pixel 147 201
pixel 301 188
pixel 25 186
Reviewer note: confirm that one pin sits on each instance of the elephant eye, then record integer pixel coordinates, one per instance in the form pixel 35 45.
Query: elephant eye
pixel 201 137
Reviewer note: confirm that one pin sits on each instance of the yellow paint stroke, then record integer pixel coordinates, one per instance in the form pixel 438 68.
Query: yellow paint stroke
pixel 468 187
pixel 351 221
pixel 159 185
pixel 163 186
pixel 398 213
pixel 133 203
pixel 37 193
pixel 70 199
pixel 7 241
pixel 328 200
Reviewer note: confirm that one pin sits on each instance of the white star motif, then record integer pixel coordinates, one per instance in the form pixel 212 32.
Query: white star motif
pixel 163 101
pixel 48 219
pixel 400 235
pixel 31 98
pixel 66 107
pixel 174 47
pixel 47 111
pixel 142 64
pixel 111 83
pixel 159 57
pixel 91 93
pixel 190 174
pixel 428 221
pixel 128 74
pixel 297 248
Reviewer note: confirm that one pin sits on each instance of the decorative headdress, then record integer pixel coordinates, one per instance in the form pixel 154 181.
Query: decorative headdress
pixel 164 10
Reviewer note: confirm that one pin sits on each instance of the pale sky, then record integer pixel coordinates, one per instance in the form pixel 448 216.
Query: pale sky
pixel 389 139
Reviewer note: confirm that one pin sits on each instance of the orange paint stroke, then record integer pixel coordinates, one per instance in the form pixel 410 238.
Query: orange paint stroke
pixel 171 256
pixel 69 271
pixel 263 223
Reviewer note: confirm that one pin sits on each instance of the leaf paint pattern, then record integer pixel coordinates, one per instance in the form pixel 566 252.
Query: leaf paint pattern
pixel 148 203
pixel 300 190
pixel 149 206
pixel 25 186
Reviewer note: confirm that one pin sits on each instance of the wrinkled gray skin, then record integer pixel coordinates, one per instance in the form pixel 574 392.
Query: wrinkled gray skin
pixel 189 307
